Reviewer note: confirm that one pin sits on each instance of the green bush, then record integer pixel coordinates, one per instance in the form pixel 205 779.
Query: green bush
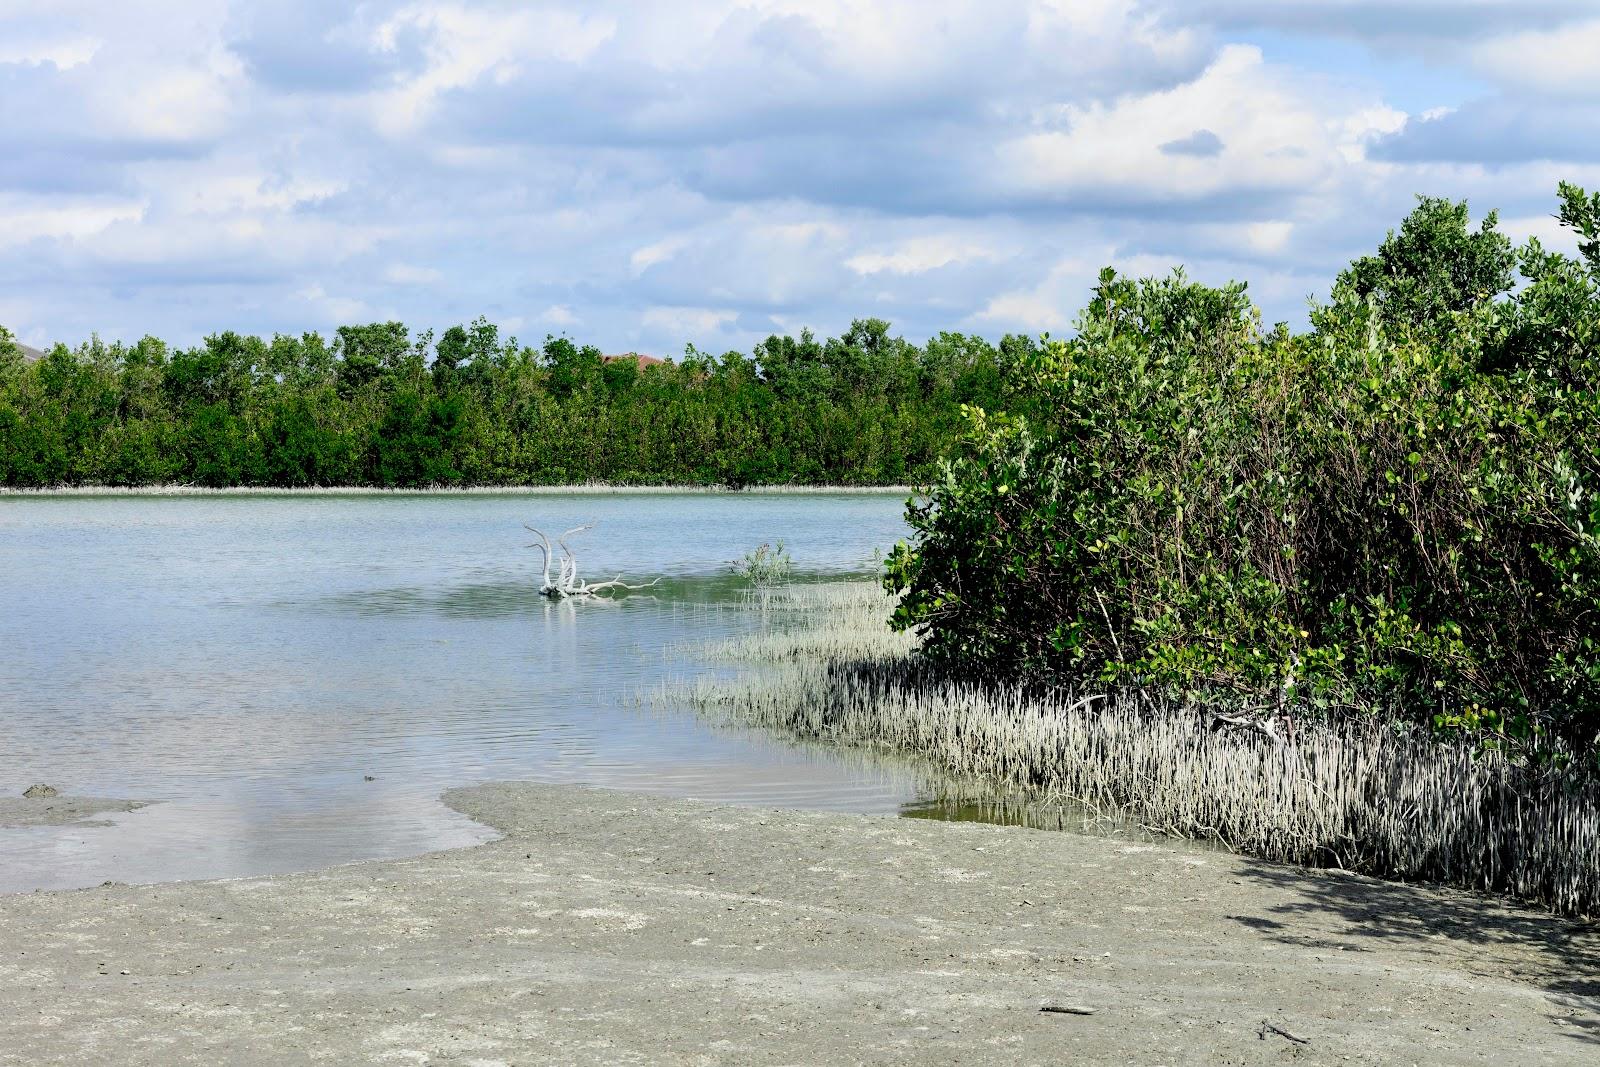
pixel 1392 514
pixel 765 565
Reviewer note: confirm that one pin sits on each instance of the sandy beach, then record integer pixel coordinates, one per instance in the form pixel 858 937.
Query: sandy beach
pixel 608 927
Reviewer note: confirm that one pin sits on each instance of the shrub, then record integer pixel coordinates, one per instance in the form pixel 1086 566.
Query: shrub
pixel 765 565
pixel 1393 514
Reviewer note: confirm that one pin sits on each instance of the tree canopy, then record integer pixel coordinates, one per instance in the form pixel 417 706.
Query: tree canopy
pixel 1393 513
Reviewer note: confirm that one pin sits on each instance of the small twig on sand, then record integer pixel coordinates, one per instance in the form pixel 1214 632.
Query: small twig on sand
pixel 1066 1009
pixel 1268 1028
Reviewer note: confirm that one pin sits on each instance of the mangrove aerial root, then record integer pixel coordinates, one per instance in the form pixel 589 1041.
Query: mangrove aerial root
pixel 1360 795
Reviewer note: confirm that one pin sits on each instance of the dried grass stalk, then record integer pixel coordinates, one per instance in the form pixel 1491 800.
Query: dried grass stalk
pixel 1360 796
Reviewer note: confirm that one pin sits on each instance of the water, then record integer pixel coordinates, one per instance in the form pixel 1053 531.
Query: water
pixel 248 662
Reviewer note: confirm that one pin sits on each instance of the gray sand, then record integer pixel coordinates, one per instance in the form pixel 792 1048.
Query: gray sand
pixel 614 928
pixel 58 810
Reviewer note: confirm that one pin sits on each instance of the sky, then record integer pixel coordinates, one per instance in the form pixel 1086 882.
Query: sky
pixel 644 175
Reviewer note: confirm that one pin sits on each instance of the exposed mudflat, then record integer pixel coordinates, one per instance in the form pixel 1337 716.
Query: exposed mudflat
pixel 57 810
pixel 614 928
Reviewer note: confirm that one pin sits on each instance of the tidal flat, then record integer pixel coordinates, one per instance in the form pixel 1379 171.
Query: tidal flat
pixel 57 810
pixel 607 927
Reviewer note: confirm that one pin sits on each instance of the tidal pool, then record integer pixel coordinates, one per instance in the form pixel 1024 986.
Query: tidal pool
pixel 292 680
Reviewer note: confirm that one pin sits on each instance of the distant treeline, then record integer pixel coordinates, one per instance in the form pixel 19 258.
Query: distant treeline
pixel 376 405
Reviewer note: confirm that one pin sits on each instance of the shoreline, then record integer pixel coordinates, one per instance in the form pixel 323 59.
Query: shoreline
pixel 1446 813
pixel 587 488
pixel 606 927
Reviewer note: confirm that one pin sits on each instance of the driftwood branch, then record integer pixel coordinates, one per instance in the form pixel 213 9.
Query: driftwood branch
pixel 1268 1028
pixel 566 584
pixel 617 583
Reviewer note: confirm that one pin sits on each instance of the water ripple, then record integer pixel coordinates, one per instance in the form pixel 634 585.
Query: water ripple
pixel 295 680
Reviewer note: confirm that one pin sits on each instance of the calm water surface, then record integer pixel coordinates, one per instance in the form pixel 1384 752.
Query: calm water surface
pixel 249 661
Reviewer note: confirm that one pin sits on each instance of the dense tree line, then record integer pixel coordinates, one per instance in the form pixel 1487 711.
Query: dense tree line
pixel 376 406
pixel 1394 513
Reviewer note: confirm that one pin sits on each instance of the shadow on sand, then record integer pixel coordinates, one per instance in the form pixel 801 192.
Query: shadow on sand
pixel 1479 935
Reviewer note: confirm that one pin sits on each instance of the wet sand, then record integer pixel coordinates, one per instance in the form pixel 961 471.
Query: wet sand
pixel 58 810
pixel 614 928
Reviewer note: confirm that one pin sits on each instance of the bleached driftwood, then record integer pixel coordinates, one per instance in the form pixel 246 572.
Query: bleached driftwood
pixel 566 584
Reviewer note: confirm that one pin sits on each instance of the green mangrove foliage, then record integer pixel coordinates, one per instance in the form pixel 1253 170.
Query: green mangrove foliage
pixel 765 565
pixel 1392 514
pixel 374 405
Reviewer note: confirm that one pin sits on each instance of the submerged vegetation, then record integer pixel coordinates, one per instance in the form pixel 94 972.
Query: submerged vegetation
pixel 1362 796
pixel 376 406
pixel 1392 517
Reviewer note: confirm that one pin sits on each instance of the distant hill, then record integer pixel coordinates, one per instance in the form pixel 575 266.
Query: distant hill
pixel 29 355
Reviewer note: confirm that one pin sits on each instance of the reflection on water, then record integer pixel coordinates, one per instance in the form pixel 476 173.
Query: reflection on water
pixel 520 596
pixel 296 679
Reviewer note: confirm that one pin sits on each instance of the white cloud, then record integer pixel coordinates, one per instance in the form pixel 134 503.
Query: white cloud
pixel 1277 132
pixel 327 309
pixel 408 274
pixel 1359 129
pixel 173 105
pixel 1257 243
pixel 30 218
pixel 1551 234
pixel 559 315
pixel 1561 62
pixel 1051 305
pixel 1034 310
pixel 687 323
pixel 237 186
pixel 1269 236
pixel 918 256
pixel 644 258
pixel 732 166
pixel 468 44
pixel 812 231
pixel 63 53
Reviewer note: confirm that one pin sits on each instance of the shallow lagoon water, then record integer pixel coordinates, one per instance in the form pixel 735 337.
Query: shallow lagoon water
pixel 248 662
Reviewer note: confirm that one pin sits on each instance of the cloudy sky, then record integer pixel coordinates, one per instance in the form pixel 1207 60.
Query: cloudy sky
pixel 643 174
